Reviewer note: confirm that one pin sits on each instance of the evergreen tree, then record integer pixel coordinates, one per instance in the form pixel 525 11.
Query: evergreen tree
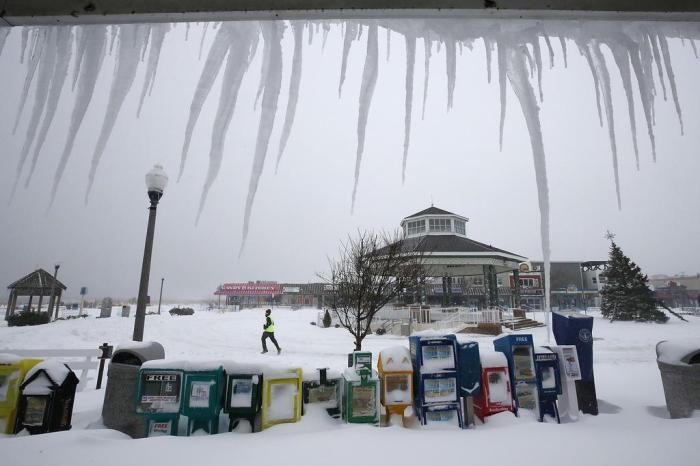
pixel 627 296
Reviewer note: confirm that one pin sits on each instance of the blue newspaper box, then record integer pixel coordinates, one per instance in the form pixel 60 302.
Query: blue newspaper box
pixel 469 371
pixel 519 351
pixel 548 382
pixel 436 384
pixel 572 328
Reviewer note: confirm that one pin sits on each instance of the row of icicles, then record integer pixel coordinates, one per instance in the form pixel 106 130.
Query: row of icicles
pixel 639 49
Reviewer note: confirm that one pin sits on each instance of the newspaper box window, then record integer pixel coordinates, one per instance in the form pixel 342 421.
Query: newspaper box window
pixel 158 399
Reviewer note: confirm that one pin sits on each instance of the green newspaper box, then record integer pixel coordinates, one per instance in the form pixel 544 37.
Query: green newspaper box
pixel 158 399
pixel 202 398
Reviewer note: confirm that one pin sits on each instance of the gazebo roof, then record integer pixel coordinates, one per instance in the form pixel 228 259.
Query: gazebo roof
pixel 40 279
pixel 455 244
pixel 432 210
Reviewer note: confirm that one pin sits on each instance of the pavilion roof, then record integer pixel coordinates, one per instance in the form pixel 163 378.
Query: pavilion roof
pixel 40 279
pixel 453 243
pixel 432 210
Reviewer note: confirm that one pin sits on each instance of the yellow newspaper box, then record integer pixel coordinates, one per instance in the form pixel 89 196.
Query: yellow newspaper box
pixel 281 399
pixel 13 369
pixel 396 374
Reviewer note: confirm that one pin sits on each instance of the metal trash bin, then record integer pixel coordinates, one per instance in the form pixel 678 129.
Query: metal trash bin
pixel 126 310
pixel 679 364
pixel 118 410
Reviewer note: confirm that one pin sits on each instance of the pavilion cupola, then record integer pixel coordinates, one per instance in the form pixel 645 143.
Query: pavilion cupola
pixel 434 221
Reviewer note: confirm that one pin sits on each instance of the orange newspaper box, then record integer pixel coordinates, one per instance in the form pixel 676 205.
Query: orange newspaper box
pixel 396 375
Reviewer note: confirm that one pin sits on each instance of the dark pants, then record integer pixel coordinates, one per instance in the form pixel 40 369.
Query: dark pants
pixel 271 336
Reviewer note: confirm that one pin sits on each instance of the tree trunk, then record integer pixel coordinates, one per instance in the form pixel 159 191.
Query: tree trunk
pixel 358 344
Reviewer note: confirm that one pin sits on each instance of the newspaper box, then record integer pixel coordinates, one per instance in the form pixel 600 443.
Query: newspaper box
pixel 243 396
pixel 158 398
pixel 13 370
pixel 569 372
pixel 495 395
pixel 469 370
pixel 396 375
pixel 202 405
pixel 281 397
pixel 548 382
pixel 324 391
pixel 519 351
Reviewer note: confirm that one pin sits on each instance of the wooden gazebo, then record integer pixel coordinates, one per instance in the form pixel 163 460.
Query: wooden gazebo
pixel 38 283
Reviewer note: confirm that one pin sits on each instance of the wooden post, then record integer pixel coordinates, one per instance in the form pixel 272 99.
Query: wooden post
pixel 41 299
pixel 11 302
pixel 29 306
pixel 58 303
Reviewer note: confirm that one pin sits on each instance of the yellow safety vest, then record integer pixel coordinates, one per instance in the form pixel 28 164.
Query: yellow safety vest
pixel 271 327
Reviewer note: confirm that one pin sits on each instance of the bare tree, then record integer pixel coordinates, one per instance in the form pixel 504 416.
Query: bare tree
pixel 371 270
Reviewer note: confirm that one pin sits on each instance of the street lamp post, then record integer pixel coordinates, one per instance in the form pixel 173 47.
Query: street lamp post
pixel 160 297
pixel 156 181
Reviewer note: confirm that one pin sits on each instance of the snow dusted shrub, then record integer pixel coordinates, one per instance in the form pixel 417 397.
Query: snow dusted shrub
pixel 26 318
pixel 327 319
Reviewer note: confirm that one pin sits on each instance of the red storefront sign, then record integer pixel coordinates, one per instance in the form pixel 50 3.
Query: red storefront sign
pixel 248 289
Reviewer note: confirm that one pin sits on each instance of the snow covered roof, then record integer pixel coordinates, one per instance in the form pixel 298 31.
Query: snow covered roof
pixel 679 352
pixel 432 210
pixel 44 376
pixel 493 359
pixel 396 358
pixel 40 279
pixel 456 244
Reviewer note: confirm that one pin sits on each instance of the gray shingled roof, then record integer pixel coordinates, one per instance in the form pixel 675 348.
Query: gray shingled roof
pixel 431 211
pixel 39 279
pixel 452 243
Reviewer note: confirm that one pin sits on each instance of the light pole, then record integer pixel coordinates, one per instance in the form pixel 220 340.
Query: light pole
pixel 156 181
pixel 160 297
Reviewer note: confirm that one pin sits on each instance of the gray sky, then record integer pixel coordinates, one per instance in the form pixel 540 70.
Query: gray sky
pixel 303 212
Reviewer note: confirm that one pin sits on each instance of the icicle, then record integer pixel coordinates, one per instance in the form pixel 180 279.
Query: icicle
pixel 144 44
pixel 95 38
pixel 657 59
pixel 294 83
pixel 359 31
pixel 487 49
pixel 273 41
pixel 426 77
pixel 587 55
pixel 410 68
pixel 201 42
pixel 311 32
pixel 25 39
pixel 645 93
pixel 530 62
pixel 502 73
pixel 326 30
pixel 81 45
pixel 695 49
pixel 562 42
pixel 350 33
pixel 369 80
pixel 4 32
pixel 46 67
pixel 113 30
pixel 671 78
pixel 158 32
pixel 63 47
pixel 130 36
pixel 537 52
pixel 388 44
pixel 646 58
pixel 623 65
pixel 187 31
pixel 451 63
pixel 37 52
pixel 517 75
pixel 550 49
pixel 263 74
pixel 604 78
pixel 212 65
pixel 240 41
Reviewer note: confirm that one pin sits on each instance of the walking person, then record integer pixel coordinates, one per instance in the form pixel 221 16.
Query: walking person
pixel 269 332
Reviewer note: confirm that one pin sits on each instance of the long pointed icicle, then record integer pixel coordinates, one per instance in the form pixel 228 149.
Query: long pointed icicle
pixel 502 73
pixel 369 81
pixel 240 42
pixel 388 44
pixel 645 93
pixel 265 69
pixel 211 69
pixel 517 75
pixel 410 69
pixel 130 37
pixel 96 43
pixel 487 50
pixel 274 32
pixel 587 55
pixel 601 69
pixel 451 65
pixel 657 59
pixel 537 52
pixel 60 72
pixel 426 78
pixel 24 41
pixel 158 32
pixel 80 46
pixel 4 32
pixel 549 49
pixel 562 42
pixel 201 42
pixel 623 65
pixel 46 69
pixel 294 84
pixel 350 33
pixel 37 50
pixel 663 42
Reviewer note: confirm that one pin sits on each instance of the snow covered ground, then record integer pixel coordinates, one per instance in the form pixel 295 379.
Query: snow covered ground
pixel 633 427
